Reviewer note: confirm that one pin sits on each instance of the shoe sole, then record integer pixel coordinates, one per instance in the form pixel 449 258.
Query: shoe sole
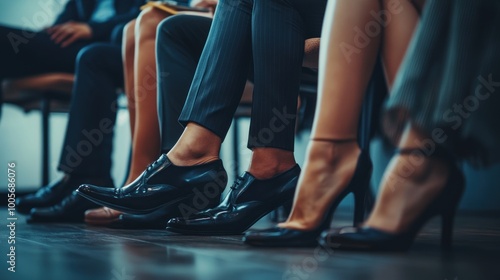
pixel 135 211
pixel 238 232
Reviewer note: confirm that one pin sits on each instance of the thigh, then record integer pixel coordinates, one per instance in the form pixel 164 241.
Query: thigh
pixel 99 68
pixel 187 32
pixel 12 55
pixel 30 52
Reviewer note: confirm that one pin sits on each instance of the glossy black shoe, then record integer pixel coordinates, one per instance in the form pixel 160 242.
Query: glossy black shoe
pixel 282 237
pixel 162 186
pixel 51 194
pixel 371 239
pixel 144 221
pixel 249 200
pixel 70 210
pixel 157 219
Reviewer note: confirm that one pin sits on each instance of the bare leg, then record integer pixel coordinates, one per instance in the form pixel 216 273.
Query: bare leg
pixel 146 144
pixel 398 34
pixel 343 80
pixel 344 77
pixel 128 51
pixel 405 183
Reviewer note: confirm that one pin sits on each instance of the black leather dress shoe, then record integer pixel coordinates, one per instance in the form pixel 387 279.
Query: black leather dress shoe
pixel 249 200
pixel 144 221
pixel 51 194
pixel 155 220
pixel 70 210
pixel 164 186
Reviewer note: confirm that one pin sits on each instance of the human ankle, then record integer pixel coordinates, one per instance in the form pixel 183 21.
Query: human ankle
pixel 420 169
pixel 269 162
pixel 268 171
pixel 332 152
pixel 197 145
pixel 192 154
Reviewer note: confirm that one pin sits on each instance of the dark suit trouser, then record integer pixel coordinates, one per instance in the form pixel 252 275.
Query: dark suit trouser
pixel 180 43
pixel 24 53
pixel 89 134
pixel 271 34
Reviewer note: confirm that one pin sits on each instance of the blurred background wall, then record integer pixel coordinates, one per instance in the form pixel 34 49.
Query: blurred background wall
pixel 20 133
pixel 33 14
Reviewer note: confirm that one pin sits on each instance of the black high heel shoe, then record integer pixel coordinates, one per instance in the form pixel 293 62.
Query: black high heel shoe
pixel 164 186
pixel 371 239
pixel 249 200
pixel 283 237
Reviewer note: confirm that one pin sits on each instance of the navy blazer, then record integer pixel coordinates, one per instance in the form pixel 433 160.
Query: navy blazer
pixel 81 10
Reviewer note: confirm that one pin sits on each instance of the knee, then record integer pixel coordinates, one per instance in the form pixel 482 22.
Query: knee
pixel 148 21
pixel 117 34
pixel 91 55
pixel 169 32
pixel 171 27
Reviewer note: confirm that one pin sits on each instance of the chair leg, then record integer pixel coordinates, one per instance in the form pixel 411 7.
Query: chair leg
pixel 45 109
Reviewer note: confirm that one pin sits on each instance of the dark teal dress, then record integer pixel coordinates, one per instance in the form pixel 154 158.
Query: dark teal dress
pixel 449 83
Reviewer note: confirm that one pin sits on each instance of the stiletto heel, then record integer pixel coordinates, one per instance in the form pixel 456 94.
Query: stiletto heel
pixel 371 239
pixel 369 201
pixel 287 207
pixel 359 207
pixel 283 237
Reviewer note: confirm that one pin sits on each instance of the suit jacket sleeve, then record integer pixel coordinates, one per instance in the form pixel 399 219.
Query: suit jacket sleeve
pixel 101 31
pixel 70 12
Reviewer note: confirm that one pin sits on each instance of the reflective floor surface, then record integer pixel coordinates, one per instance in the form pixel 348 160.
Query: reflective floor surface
pixel 76 251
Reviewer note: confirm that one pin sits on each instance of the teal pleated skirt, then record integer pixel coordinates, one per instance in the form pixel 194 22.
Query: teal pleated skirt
pixel 449 82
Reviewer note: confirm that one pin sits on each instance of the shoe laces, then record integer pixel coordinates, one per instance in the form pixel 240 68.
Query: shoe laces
pixel 237 183
pixel 150 166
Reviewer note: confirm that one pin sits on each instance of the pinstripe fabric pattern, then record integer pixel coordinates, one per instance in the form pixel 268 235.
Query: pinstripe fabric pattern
pixel 181 39
pixel 270 35
pixel 450 79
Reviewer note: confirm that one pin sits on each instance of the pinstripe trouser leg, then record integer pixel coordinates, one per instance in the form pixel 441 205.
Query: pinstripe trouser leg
pixel 178 49
pixel 273 33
